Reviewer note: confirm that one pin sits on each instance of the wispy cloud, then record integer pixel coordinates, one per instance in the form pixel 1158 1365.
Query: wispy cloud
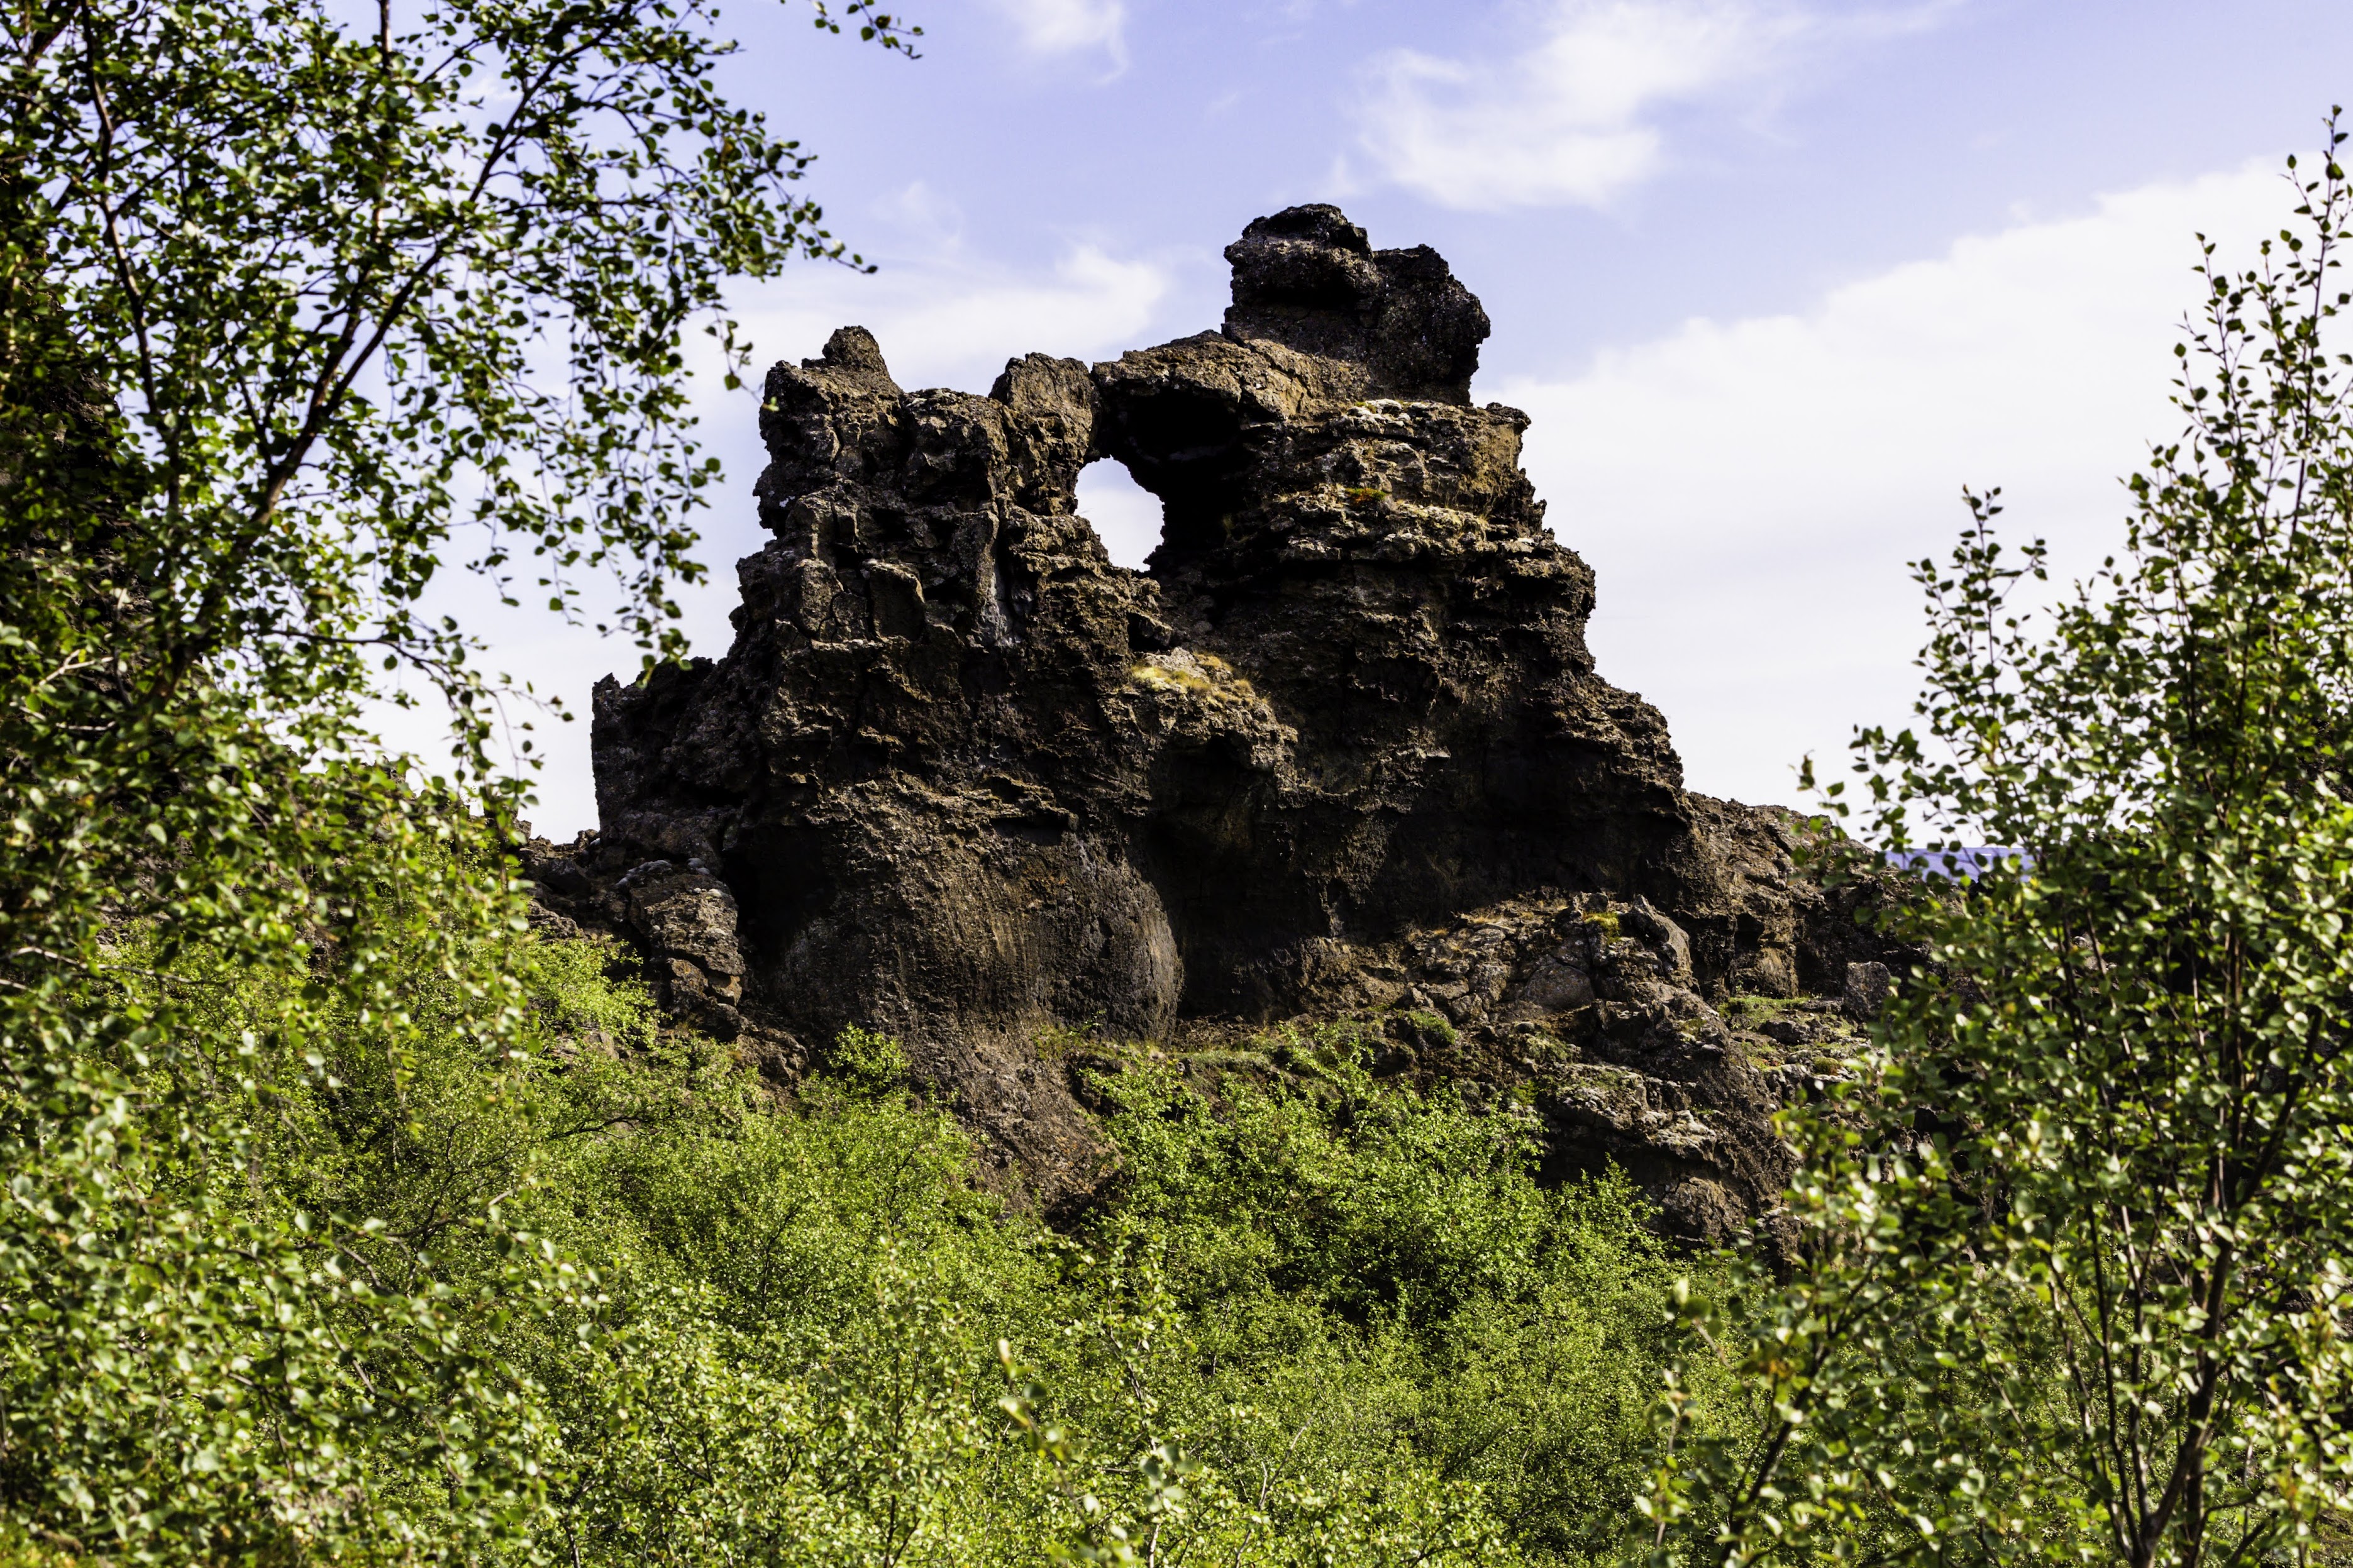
pixel 1068 27
pixel 923 219
pixel 955 321
pixel 1749 492
pixel 1565 110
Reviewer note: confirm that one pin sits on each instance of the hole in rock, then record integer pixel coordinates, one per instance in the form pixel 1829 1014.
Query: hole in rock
pixel 1126 516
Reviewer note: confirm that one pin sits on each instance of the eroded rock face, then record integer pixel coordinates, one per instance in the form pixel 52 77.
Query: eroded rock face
pixel 962 779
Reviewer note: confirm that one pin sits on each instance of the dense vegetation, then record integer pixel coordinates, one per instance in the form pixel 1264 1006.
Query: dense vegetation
pixel 347 1219
pixel 1328 1322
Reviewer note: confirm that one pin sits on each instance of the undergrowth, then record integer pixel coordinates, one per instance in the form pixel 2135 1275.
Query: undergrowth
pixel 1320 1319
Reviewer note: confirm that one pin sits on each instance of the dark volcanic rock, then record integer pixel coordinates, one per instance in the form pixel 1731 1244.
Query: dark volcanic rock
pixel 962 779
pixel 1395 323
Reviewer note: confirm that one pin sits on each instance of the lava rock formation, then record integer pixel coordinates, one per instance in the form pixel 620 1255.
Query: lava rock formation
pixel 1341 751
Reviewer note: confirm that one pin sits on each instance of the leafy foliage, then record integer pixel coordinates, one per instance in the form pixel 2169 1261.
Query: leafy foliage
pixel 716 1329
pixel 2077 1277
pixel 347 1219
pixel 1356 1277
pixel 1194 1375
pixel 277 286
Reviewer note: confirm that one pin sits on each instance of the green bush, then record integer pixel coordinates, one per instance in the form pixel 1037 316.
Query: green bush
pixel 1380 1271
pixel 1324 1320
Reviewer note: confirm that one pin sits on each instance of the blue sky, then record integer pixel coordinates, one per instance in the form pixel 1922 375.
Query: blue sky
pixel 1775 279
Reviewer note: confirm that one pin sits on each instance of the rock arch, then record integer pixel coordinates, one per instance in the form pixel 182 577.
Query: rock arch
pixel 963 778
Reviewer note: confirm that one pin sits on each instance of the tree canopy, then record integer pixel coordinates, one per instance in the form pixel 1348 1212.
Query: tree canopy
pixel 2074 1278
pixel 293 299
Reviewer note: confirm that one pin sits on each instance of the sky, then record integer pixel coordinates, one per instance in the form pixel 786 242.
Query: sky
pixel 1775 280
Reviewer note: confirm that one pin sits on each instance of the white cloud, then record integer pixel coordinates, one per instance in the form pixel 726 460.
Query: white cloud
pixel 1566 112
pixel 1068 27
pixel 1562 119
pixel 952 323
pixel 1749 492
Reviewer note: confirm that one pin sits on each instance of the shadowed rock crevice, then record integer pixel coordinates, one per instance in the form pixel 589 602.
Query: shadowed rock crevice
pixel 962 779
